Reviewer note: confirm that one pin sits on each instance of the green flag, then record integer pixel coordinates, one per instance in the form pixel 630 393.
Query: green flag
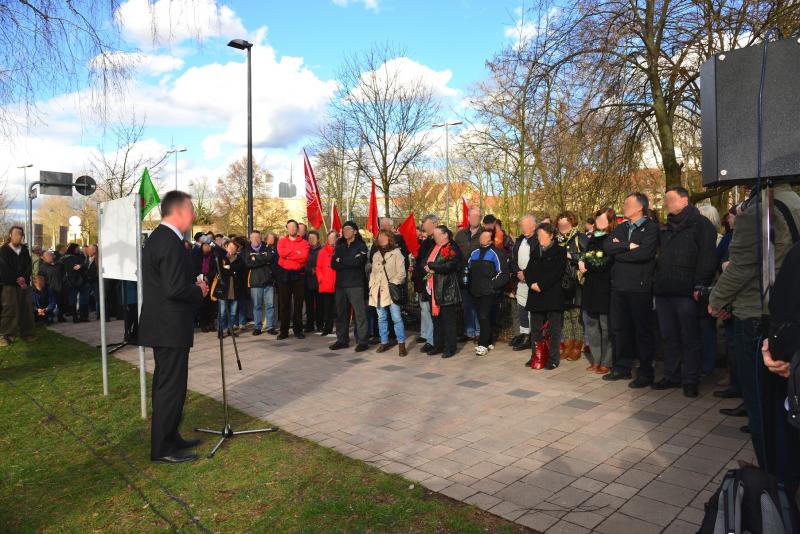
pixel 148 194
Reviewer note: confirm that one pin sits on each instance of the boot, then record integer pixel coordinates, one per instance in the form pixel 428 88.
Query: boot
pixel 524 343
pixel 516 340
pixel 573 350
pixel 566 348
pixel 540 356
pixel 401 349
pixel 382 348
pixel 593 367
pixel 602 370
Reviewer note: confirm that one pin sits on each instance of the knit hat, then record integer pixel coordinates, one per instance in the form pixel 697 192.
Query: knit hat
pixel 351 224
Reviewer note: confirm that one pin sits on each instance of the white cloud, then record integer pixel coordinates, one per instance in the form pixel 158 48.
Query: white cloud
pixel 368 4
pixel 408 73
pixel 524 29
pixel 149 64
pixel 164 22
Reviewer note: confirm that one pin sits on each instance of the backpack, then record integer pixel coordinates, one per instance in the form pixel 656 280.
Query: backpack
pixel 750 501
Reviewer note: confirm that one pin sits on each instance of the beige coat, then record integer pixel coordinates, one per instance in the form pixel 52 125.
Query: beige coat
pixel 379 295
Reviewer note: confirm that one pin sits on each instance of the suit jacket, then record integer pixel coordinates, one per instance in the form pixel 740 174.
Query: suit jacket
pixel 170 296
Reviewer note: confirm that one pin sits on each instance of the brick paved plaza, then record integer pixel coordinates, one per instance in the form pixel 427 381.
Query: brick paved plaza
pixel 558 451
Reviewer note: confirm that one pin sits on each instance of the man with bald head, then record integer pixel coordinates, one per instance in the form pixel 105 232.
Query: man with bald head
pixel 521 253
pixel 468 239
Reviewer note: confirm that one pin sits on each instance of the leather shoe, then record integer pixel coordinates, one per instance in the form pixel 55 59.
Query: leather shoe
pixel 640 382
pixel 616 374
pixel 299 335
pixel 421 339
pixel 745 429
pixel 426 348
pixel 727 394
pixel 739 411
pixel 448 354
pixel 282 336
pixel 434 351
pixel 176 458
pixel 361 347
pixel 338 345
pixel 665 383
pixel 551 365
pixel 690 390
pixel 463 338
pixel 188 443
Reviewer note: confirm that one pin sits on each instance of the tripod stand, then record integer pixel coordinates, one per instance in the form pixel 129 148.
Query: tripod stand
pixel 227 432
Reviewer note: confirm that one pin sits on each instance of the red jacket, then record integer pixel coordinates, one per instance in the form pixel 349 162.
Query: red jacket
pixel 292 253
pixel 326 276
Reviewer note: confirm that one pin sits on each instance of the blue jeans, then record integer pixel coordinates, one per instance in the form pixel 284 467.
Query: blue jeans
pixel 425 321
pixel 227 313
pixel 471 328
pixel 383 323
pixel 749 367
pixel 80 296
pixel 263 299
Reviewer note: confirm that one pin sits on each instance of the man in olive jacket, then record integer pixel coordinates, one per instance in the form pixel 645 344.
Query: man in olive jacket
pixel 737 292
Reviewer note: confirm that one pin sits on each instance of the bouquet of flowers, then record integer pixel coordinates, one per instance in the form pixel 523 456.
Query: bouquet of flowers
pixel 595 258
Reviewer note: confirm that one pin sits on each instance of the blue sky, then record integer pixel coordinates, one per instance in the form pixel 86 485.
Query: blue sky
pixel 189 86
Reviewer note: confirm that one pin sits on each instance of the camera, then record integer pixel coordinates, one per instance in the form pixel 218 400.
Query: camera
pixel 702 293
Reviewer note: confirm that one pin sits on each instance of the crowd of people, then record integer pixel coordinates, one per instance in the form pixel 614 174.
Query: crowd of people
pixel 604 288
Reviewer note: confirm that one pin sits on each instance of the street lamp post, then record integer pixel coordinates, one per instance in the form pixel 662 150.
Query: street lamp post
pixel 241 44
pixel 28 217
pixel 175 150
pixel 446 125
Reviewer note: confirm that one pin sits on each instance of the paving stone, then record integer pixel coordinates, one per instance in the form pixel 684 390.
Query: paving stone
pixel 700 465
pixel 508 510
pixel 523 494
pixel 463 479
pixel 442 467
pixel 328 354
pixel 508 474
pixel 650 417
pixel 603 504
pixel 619 522
pixel 668 493
pixel 473 384
pixel 538 521
pixel 566 527
pixel 569 497
pixel 680 526
pixel 428 376
pixel 551 480
pixel 635 478
pixel 684 478
pixel 436 483
pixel 483 501
pixel 605 473
pixel 458 491
pixel 620 490
pixel 727 431
pixel 657 512
pixel 692 515
pixel 570 466
pixel 356 360
pixel 587 520
pixel 392 367
pixel 482 469
pixel 589 484
pixel 487 485
pixel 523 393
pixel 581 404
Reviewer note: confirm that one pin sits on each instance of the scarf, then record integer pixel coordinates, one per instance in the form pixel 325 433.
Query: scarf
pixel 206 264
pixel 677 219
pixel 429 283
pixel 564 240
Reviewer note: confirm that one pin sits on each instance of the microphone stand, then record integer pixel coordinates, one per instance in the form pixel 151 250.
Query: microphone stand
pixel 227 432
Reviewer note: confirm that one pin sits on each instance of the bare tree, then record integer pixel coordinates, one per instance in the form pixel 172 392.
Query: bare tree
pixel 231 197
pixel 386 111
pixel 202 193
pixel 119 169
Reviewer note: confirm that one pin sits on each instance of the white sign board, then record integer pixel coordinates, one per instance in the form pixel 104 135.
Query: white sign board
pixel 118 239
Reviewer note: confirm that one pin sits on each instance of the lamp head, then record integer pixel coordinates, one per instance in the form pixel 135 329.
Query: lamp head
pixel 240 44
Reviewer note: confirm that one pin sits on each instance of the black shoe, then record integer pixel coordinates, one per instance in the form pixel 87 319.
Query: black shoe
pixel 463 338
pixel 665 383
pixel 176 458
pixel 690 390
pixel 361 347
pixel 339 345
pixel 745 429
pixel 640 382
pixel 282 336
pixel 616 374
pixel 299 335
pixel 728 394
pixel 374 340
pixel 524 343
pixel 434 351
pixel 421 339
pixel 257 332
pixel 551 365
pixel 426 348
pixel 515 341
pixel 272 331
pixel 188 443
pixel 529 362
pixel 448 354
pixel 739 411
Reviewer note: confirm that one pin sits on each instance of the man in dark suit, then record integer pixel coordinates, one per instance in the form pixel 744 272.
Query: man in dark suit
pixel 171 296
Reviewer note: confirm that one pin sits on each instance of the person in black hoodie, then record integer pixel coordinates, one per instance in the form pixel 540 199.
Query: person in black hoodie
pixel 488 274
pixel 74 264
pixel 596 292
pixel 546 297
pixel 349 260
pixel 633 246
pixel 53 273
pixel 228 288
pixel 259 259
pixel 314 315
pixel 15 276
pixel 688 259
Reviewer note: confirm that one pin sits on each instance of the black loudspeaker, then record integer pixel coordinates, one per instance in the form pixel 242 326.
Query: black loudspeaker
pixel 729 86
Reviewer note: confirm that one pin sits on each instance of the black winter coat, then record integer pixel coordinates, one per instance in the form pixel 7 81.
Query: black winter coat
pixel 53 275
pixel 13 265
pixel 688 255
pixel 231 278
pixel 488 271
pixel 311 269
pixel 546 267
pixel 632 270
pixel 425 248
pixel 259 265
pixel 596 291
pixel 349 261
pixel 74 277
pixel 446 288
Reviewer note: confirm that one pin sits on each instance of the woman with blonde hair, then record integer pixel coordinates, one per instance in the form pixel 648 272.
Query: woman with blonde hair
pixel 388 269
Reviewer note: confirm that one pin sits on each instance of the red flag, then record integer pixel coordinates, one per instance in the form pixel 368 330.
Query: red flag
pixel 409 232
pixel 372 214
pixel 313 205
pixel 464 214
pixel 336 222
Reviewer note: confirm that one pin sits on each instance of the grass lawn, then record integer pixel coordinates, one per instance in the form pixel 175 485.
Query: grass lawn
pixel 72 460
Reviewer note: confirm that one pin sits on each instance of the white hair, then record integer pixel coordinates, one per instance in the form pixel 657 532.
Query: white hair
pixel 710 212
